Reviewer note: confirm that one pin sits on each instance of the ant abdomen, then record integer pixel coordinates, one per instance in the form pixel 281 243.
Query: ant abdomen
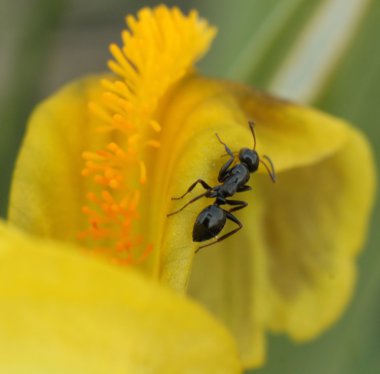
pixel 209 223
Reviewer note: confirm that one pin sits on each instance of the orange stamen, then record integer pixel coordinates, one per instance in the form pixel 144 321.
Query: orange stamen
pixel 159 48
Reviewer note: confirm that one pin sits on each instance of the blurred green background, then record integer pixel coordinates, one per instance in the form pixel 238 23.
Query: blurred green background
pixel 323 53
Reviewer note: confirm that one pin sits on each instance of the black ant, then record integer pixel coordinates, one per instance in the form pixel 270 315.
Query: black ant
pixel 212 219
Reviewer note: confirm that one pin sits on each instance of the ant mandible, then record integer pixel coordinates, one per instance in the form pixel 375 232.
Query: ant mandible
pixel 212 219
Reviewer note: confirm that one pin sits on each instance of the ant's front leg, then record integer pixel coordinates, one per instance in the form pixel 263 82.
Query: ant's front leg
pixel 201 181
pixel 226 166
pixel 187 204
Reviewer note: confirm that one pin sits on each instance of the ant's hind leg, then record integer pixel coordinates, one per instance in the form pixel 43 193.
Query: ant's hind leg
pixel 238 205
pixel 201 181
pixel 232 218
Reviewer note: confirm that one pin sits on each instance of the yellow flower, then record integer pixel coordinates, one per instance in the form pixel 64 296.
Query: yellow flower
pixel 65 312
pixel 144 134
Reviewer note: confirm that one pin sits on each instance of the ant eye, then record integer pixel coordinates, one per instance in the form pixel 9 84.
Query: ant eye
pixel 250 158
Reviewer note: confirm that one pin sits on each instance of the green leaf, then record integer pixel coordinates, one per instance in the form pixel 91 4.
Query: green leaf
pixel 26 57
pixel 249 32
pixel 319 48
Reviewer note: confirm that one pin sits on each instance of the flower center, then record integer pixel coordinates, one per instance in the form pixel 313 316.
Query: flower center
pixel 158 49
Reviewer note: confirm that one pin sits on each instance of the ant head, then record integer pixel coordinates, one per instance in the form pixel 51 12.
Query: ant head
pixel 250 158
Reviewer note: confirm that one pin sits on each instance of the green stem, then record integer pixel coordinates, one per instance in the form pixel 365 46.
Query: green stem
pixel 25 74
pixel 260 42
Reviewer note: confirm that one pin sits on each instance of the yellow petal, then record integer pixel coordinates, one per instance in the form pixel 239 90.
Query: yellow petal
pixel 292 267
pixel 65 312
pixel 311 260
pixel 293 136
pixel 47 189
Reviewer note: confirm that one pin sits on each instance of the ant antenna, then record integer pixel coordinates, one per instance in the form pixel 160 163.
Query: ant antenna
pixel 251 126
pixel 272 172
pixel 220 140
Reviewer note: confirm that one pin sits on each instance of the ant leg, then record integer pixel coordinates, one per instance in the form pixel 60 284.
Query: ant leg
pixel 244 188
pixel 239 205
pixel 235 153
pixel 232 218
pixel 226 166
pixel 201 181
pixel 190 202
